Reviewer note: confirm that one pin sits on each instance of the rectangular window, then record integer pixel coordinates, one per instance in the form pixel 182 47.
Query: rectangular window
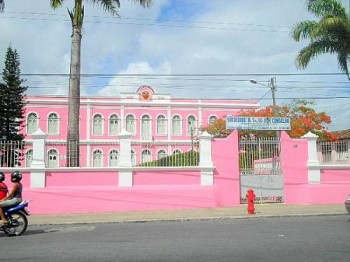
pixel 176 127
pixel 114 126
pixel 162 126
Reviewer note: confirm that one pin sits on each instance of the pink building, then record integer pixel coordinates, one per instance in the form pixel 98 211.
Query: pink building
pixel 171 124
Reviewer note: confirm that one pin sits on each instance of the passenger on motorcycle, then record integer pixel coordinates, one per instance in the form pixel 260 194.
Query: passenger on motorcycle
pixel 3 188
pixel 13 198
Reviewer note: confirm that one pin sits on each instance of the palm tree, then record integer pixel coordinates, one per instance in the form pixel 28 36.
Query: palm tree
pixel 331 34
pixel 77 18
pixel 2 5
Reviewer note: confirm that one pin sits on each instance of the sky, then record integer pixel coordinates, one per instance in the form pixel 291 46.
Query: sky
pixel 185 48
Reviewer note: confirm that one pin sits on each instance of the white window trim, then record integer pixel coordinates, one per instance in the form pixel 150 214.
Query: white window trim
pixel 58 124
pixel 109 124
pixel 172 127
pixel 165 126
pixel 48 157
pixel 142 135
pixel 134 126
pixel 188 131
pixel 37 119
pixel 93 124
pixel 93 154
pixel 109 157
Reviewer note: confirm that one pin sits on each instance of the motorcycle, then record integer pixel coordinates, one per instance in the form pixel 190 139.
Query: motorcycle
pixel 17 219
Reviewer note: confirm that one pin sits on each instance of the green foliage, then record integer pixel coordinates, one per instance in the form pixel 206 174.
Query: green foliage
pixel 12 101
pixel 12 98
pixel 331 34
pixel 190 158
pixel 2 5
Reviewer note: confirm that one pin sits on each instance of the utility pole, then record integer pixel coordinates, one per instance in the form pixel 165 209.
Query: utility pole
pixel 272 85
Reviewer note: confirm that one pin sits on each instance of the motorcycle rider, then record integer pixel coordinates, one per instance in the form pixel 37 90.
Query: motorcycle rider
pixel 3 187
pixel 13 198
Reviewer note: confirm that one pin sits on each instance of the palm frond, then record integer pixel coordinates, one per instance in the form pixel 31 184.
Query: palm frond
pixel 321 8
pixel 314 49
pixel 343 62
pixel 333 26
pixel 2 5
pixel 303 30
pixel 110 6
pixel 56 3
pixel 145 3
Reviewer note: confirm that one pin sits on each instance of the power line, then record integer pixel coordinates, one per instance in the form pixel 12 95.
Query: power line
pixel 187 75
pixel 190 24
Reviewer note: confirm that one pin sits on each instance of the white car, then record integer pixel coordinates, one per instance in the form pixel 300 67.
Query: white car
pixel 347 204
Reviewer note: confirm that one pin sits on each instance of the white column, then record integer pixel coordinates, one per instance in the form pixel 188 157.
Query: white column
pixel 314 172
pixel 122 117
pixel 88 134
pixel 169 125
pixel 37 176
pixel 125 174
pixel 205 159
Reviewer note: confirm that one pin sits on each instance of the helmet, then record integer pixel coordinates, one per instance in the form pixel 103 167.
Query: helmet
pixel 16 176
pixel 2 176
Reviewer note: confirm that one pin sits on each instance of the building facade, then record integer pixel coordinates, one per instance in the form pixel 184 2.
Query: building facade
pixel 159 124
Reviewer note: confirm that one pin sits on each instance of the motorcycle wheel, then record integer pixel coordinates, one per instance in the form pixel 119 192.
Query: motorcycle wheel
pixel 18 224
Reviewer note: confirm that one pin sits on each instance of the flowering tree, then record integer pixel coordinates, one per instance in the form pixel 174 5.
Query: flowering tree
pixel 303 119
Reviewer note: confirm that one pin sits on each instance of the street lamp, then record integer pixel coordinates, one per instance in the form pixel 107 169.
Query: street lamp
pixel 272 85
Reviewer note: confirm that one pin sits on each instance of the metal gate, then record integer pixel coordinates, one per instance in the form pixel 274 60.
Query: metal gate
pixel 260 170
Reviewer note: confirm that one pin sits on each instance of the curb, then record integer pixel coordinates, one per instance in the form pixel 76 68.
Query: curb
pixel 184 219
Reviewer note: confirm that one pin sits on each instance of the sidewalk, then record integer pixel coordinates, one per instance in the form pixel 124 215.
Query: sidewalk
pixel 261 210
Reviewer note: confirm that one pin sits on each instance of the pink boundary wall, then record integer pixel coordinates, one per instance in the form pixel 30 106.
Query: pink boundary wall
pixel 83 192
pixel 334 185
pixel 167 189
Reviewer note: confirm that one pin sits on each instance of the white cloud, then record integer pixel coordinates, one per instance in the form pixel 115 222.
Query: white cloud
pixel 215 37
pixel 127 84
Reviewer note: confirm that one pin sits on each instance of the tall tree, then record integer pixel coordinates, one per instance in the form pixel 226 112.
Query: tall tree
pixel 2 5
pixel 12 98
pixel 12 101
pixel 77 19
pixel 331 34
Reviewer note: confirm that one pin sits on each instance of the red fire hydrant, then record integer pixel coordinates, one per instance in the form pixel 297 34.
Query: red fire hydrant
pixel 250 197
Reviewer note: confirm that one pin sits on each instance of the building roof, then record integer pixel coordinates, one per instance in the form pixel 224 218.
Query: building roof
pixel 342 134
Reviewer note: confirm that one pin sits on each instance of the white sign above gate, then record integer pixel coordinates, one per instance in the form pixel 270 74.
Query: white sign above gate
pixel 257 123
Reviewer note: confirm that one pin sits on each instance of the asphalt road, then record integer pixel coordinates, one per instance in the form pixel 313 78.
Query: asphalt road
pixel 313 238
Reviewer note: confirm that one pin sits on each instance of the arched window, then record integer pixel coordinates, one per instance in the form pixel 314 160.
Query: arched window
pixel 29 157
pixel 97 125
pixel 161 153
pixel 53 124
pixel 32 123
pixel 176 151
pixel 191 126
pixel 130 124
pixel 212 119
pixel 113 158
pixel 162 126
pixel 97 158
pixel 146 156
pixel 176 125
pixel 52 157
pixel 114 125
pixel 146 133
